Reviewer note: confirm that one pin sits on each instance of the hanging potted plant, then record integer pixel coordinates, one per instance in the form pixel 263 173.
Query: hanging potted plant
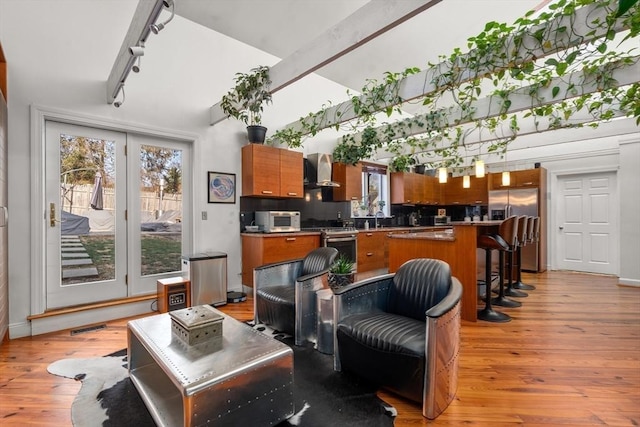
pixel 247 99
pixel 341 272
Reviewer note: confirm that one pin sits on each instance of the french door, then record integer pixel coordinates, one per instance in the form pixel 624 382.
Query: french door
pixel 114 213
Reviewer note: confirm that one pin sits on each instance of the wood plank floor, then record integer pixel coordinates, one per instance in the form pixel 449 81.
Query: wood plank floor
pixel 571 356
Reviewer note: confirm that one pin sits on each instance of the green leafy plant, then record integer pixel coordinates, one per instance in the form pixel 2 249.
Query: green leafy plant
pixel 342 265
pixel 246 101
pixel 401 163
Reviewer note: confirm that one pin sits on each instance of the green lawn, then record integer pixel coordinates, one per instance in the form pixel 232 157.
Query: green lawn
pixel 161 252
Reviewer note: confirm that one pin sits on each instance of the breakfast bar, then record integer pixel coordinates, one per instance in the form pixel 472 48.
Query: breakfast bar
pixel 457 246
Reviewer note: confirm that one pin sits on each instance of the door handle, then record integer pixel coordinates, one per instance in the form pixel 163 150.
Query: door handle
pixel 52 215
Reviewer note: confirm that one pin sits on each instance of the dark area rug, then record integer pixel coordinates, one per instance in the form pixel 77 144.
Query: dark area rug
pixel 322 396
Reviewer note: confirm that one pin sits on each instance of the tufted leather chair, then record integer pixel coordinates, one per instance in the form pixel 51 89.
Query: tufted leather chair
pixel 402 331
pixel 284 293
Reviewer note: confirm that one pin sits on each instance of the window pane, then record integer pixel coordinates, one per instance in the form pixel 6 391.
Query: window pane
pixel 160 210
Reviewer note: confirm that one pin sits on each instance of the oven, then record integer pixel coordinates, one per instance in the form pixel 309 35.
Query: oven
pixel 345 240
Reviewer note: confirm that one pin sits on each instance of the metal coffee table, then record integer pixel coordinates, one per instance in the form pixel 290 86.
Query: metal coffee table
pixel 248 380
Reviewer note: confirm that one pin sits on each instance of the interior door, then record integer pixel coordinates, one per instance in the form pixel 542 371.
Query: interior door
pixel 587 219
pixel 85 202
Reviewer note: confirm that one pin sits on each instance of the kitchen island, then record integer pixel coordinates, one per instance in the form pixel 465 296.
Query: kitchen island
pixel 457 246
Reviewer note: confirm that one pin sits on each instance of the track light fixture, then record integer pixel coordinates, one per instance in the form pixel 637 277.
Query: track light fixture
pixel 117 104
pixel 137 52
pixel 156 28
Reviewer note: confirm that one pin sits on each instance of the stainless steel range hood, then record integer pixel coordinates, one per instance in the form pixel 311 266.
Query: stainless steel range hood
pixel 317 171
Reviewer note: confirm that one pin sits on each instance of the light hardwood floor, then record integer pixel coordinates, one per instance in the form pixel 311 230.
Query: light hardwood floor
pixel 571 356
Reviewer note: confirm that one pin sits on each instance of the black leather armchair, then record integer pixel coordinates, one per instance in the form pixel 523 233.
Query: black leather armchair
pixel 284 293
pixel 402 331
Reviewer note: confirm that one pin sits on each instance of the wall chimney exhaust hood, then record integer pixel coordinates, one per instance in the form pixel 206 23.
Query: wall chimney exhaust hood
pixel 317 171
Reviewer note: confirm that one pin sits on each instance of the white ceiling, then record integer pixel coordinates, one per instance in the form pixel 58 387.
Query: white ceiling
pixel 280 27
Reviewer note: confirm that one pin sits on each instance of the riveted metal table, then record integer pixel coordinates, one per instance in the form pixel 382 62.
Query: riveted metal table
pixel 247 380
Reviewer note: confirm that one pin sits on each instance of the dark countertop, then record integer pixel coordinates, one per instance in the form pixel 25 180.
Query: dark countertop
pixel 360 230
pixel 443 235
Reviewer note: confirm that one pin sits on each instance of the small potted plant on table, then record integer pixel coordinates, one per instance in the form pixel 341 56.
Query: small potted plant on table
pixel 341 272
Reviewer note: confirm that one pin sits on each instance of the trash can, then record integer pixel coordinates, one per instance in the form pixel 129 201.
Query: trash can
pixel 207 272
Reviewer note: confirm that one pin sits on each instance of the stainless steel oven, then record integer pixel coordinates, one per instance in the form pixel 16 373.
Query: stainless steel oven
pixel 345 240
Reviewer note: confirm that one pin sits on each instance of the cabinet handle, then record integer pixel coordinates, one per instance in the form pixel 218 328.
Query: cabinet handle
pixel 290 239
pixel 354 198
pixel 292 194
pixel 369 234
pixel 527 183
pixel 478 201
pixel 267 192
pixel 369 253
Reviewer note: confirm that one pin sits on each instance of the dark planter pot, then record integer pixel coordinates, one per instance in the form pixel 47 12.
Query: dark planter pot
pixel 419 169
pixel 256 134
pixel 340 280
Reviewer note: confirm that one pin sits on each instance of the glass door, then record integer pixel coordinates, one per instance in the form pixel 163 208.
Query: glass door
pixel 85 202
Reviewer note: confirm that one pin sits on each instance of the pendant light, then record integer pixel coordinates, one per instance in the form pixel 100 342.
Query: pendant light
pixel 506 178
pixel 442 175
pixel 479 168
pixel 466 181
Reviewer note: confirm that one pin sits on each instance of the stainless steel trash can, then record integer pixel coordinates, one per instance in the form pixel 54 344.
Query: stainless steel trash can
pixel 207 272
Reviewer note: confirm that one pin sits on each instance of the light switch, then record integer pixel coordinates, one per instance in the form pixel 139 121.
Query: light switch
pixel 204 215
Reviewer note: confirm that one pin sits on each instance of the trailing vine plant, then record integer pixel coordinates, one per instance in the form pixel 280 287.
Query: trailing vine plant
pixel 574 75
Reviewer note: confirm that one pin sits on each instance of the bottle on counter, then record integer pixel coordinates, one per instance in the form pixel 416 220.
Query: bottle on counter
pixel 366 225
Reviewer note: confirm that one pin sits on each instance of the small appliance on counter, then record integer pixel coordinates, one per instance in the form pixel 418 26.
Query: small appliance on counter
pixel 278 221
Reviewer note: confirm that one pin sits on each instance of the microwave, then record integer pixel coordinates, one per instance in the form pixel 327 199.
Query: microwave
pixel 278 221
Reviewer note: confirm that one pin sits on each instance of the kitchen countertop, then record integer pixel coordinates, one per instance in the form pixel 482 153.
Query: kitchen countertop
pixel 360 230
pixel 444 235
pixel 477 223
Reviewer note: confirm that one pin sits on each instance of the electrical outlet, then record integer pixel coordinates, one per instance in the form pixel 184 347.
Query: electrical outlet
pixel 204 215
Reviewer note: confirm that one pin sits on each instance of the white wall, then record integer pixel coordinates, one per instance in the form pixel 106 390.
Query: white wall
pixel 59 55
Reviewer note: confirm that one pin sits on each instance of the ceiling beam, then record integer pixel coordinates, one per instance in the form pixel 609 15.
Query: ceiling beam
pixel 373 19
pixel 431 80
pixel 145 15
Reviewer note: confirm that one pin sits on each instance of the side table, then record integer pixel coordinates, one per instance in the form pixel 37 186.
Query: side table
pixel 324 305
pixel 247 381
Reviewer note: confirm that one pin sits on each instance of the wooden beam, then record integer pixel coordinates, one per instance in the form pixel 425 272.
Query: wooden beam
pixel 365 24
pixel 146 14
pixel 521 100
pixel 431 80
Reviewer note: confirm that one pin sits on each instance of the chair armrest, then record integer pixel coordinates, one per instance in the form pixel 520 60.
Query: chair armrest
pixel 306 308
pixel 448 302
pixel 278 273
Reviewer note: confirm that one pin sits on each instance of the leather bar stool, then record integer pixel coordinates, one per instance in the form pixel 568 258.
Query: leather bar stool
pixel 526 238
pixel 512 289
pixel 490 243
pixel 508 231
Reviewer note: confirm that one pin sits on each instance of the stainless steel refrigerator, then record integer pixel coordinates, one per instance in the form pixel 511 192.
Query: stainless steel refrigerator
pixel 519 201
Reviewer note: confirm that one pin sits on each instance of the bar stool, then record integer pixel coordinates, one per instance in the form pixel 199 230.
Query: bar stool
pixel 530 240
pixel 490 242
pixel 512 289
pixel 508 231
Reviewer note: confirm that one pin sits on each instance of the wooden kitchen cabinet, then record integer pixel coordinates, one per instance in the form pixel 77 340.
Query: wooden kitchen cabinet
pixel 271 172
pixel 372 250
pixel 476 194
pixel 350 179
pixel 261 249
pixel 528 178
pixel 413 188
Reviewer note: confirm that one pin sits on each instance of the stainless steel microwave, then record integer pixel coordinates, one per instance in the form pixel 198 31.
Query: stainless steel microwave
pixel 278 221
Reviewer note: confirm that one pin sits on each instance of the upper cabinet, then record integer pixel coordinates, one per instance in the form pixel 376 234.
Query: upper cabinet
pixel 454 193
pixel 350 179
pixel 518 179
pixel 271 172
pixel 415 189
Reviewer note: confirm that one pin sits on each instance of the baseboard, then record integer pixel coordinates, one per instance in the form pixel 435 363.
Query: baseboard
pixel 630 282
pixel 19 330
pixel 76 319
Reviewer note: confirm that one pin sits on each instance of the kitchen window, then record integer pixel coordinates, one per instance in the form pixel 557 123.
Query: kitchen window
pixel 375 191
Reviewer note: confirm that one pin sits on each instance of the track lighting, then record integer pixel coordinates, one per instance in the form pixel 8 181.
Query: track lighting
pixel 117 104
pixel 136 51
pixel 136 66
pixel 156 28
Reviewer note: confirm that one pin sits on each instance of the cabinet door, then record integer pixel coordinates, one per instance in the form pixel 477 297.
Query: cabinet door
pixel 526 178
pixel 371 250
pixel 350 179
pixel 291 174
pixel 478 193
pixel 398 185
pixel 433 191
pixel 261 171
pixel 282 248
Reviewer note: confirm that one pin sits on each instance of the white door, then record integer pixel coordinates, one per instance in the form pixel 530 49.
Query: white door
pixel 587 219
pixel 117 213
pixel 86 251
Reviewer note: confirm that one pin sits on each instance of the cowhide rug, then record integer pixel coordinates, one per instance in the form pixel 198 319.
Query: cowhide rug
pixel 322 396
